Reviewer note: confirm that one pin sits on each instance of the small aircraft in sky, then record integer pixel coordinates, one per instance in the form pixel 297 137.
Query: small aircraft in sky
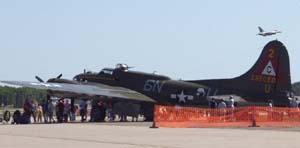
pixel 267 33
pixel 268 79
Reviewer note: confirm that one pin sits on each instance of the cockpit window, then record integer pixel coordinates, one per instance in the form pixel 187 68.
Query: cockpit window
pixel 106 71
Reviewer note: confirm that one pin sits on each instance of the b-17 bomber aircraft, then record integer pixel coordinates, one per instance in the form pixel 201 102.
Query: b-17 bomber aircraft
pixel 267 33
pixel 269 79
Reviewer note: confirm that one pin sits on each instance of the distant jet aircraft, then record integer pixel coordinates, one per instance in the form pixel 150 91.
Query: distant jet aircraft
pixel 265 33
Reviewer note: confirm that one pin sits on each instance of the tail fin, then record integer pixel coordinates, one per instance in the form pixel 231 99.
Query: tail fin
pixel 272 68
pixel 268 79
pixel 260 29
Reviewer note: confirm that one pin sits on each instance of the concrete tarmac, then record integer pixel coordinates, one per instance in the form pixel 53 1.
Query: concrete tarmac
pixel 139 135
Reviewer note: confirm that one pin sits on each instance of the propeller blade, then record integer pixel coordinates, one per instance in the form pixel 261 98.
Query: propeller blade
pixel 59 76
pixel 39 79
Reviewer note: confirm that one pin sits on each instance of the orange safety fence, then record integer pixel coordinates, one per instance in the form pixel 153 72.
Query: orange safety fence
pixel 174 116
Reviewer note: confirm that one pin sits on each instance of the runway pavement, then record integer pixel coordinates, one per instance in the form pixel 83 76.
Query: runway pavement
pixel 139 135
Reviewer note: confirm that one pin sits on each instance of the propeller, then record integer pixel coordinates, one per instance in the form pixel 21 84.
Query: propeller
pixel 39 79
pixel 59 76
pixel 42 81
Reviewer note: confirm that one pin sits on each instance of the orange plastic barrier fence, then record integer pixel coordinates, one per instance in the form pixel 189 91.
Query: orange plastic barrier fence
pixel 170 116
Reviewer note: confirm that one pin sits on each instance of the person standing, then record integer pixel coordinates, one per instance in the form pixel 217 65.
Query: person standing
pixel 231 107
pixel 222 109
pixel 109 108
pixel 83 110
pixel 44 105
pixel 50 111
pixel 73 110
pixel 101 108
pixel 213 103
pixel 270 110
pixel 60 110
pixel 33 109
pixel 231 102
pixel 222 104
pixel 26 114
pixel 39 114
pixel 67 110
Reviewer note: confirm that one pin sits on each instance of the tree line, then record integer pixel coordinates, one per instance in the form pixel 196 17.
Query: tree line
pixel 296 88
pixel 17 96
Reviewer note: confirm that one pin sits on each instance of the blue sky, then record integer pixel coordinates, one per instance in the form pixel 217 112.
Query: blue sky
pixel 190 39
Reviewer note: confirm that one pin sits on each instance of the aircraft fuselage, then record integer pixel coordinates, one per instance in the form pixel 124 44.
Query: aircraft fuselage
pixel 158 87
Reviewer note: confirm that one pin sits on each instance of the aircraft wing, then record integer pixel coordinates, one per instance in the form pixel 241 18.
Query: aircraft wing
pixel 82 90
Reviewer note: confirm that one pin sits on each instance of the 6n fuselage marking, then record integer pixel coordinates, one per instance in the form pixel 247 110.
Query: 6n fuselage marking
pixel 153 86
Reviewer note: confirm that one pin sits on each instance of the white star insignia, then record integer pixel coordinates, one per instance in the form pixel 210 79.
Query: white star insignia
pixel 181 97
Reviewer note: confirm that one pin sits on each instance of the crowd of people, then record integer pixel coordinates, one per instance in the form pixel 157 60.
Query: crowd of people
pixel 213 104
pixel 61 111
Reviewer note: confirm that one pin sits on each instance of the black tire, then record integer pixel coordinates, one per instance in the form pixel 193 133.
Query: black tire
pixel 6 116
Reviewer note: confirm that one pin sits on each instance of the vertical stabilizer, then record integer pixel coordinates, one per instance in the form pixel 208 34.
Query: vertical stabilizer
pixel 260 29
pixel 268 79
pixel 272 69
